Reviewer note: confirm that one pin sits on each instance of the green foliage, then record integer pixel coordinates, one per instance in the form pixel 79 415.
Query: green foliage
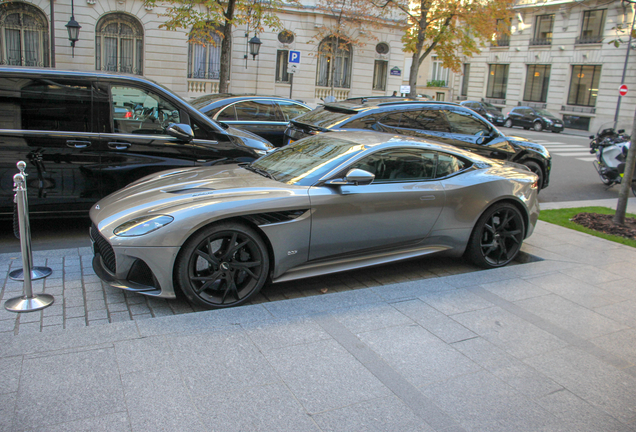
pixel 436 83
pixel 562 217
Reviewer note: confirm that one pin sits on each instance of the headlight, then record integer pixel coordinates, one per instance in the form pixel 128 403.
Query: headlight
pixel 547 120
pixel 141 226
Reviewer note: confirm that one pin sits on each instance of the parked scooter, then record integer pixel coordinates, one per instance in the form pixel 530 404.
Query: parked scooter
pixel 610 145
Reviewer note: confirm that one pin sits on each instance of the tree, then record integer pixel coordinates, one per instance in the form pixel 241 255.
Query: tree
pixel 350 25
pixel 452 29
pixel 207 17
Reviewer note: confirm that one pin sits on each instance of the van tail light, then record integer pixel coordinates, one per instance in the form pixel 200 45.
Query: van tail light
pixel 128 114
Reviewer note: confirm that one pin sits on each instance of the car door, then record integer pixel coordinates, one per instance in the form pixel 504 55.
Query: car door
pixel 136 145
pixel 399 208
pixel 48 122
pixel 516 116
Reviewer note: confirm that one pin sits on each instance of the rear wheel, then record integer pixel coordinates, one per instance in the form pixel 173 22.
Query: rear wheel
pixel 223 265
pixel 508 123
pixel 497 237
pixel 537 126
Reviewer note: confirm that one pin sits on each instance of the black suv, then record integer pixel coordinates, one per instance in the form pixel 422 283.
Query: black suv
pixel 535 118
pixel 486 110
pixel 84 135
pixel 444 122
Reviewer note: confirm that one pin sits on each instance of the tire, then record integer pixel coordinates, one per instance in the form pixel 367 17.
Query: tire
pixel 508 123
pixel 535 168
pixel 223 265
pixel 556 131
pixel 537 126
pixel 497 236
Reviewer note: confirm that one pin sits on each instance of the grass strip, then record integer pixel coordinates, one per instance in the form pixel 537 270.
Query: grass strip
pixel 562 217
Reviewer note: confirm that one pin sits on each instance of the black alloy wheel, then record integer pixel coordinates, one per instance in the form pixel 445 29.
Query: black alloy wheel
pixel 223 265
pixel 508 123
pixel 537 126
pixel 536 169
pixel 497 236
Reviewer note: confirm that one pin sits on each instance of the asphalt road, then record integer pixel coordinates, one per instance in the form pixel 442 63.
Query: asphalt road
pixel 573 178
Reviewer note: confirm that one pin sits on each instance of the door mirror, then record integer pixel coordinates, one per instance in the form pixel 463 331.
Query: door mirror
pixel 355 176
pixel 180 131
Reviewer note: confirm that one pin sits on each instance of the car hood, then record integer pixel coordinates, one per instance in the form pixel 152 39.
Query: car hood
pixel 520 144
pixel 494 112
pixel 176 191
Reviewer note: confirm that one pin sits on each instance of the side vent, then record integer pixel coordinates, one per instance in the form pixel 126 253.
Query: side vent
pixel 275 217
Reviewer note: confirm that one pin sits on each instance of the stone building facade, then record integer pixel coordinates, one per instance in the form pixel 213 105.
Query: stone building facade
pixel 124 35
pixel 558 58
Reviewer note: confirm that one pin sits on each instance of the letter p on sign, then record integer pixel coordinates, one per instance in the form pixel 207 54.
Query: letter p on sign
pixel 294 57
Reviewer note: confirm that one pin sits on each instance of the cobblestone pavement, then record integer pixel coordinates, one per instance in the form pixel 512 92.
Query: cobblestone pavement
pixel 81 299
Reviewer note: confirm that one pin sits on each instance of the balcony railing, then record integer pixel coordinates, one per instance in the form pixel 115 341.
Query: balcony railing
pixel 338 93
pixel 494 101
pixel 580 109
pixel 581 40
pixel 541 41
pixel 202 86
pixel 537 105
pixel 501 42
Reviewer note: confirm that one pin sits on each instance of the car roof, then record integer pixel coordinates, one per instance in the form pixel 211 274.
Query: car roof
pixel 220 99
pixel 68 73
pixel 353 107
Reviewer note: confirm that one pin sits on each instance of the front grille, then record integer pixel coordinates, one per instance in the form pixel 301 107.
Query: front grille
pixel 104 249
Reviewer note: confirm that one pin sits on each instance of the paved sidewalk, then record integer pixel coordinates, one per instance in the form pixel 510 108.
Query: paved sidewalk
pixel 544 346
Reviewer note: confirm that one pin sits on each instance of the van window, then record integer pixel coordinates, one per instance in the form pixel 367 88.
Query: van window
pixel 48 105
pixel 138 111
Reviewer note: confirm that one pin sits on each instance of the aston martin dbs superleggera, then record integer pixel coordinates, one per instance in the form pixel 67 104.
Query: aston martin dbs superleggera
pixel 327 203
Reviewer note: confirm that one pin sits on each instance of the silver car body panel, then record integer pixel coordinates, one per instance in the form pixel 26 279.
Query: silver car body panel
pixel 315 229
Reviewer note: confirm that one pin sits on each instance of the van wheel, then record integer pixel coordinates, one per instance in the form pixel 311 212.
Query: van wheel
pixel 538 126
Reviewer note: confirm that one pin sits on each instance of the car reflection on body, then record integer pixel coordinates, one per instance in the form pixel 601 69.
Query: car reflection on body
pixel 324 204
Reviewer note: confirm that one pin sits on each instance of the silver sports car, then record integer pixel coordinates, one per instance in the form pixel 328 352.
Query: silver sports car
pixel 327 203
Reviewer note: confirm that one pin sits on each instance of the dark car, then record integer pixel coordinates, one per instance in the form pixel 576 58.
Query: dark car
pixel 84 135
pixel 263 115
pixel 535 118
pixel 486 110
pixel 443 122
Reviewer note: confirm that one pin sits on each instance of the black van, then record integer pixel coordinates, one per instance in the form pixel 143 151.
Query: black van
pixel 84 135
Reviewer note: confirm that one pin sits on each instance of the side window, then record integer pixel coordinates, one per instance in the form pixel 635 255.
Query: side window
pixel 291 110
pixel 392 120
pixel 466 124
pixel 399 165
pixel 54 105
pixel 228 114
pixel 430 120
pixel 138 111
pixel 448 164
pixel 257 111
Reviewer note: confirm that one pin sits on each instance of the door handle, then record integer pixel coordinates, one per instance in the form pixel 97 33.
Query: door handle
pixel 118 145
pixel 78 144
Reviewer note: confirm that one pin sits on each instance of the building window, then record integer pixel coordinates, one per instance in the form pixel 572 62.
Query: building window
pixel 24 35
pixel 119 44
pixel 334 63
pixel 502 38
pixel 497 81
pixel 285 37
pixel 379 74
pixel 576 122
pixel 543 30
pixel 592 27
pixel 204 55
pixel 584 85
pixel 439 74
pixel 382 48
pixel 282 57
pixel 537 82
pixel 465 79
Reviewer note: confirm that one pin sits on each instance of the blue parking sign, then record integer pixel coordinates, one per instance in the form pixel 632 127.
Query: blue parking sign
pixel 294 57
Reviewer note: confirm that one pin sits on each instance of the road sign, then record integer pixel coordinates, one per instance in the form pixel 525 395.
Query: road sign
pixel 622 90
pixel 405 89
pixel 292 68
pixel 294 57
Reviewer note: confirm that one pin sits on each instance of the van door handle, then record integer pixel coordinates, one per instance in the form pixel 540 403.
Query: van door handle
pixel 78 144
pixel 118 145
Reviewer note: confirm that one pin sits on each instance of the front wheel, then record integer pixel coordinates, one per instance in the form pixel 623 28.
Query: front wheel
pixel 536 169
pixel 497 237
pixel 222 265
pixel 537 126
pixel 508 123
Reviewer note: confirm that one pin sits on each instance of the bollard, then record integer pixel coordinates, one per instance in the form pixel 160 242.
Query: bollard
pixel 23 220
pixel 28 302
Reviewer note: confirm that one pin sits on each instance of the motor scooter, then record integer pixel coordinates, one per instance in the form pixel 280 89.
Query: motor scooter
pixel 610 145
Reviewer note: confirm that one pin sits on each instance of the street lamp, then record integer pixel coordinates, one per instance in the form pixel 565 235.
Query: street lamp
pixel 255 46
pixel 73 28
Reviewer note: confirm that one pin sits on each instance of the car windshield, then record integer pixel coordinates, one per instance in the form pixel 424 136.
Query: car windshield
pixel 490 106
pixel 325 117
pixel 305 161
pixel 545 113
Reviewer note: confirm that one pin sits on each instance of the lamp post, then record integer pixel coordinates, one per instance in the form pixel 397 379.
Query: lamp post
pixel 73 28
pixel 629 47
pixel 254 45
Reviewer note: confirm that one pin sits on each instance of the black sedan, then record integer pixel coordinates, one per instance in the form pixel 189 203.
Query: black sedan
pixel 536 118
pixel 266 116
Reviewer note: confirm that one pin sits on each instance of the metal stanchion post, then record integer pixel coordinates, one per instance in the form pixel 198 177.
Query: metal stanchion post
pixel 28 302
pixel 23 219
